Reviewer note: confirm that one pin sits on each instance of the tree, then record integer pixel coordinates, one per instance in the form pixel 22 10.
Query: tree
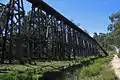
pixel 110 27
pixel 115 21
pixel 95 36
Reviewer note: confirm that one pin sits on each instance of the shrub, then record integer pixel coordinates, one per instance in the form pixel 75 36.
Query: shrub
pixel 96 71
pixel 15 76
pixel 108 75
pixel 118 54
pixel 9 76
pixel 93 70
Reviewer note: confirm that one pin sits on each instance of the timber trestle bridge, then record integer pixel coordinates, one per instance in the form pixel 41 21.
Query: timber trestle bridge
pixel 42 34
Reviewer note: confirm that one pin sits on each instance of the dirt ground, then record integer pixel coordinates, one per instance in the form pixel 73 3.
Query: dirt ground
pixel 115 63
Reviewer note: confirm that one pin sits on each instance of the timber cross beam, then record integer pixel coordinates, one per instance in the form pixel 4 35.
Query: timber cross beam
pixel 43 34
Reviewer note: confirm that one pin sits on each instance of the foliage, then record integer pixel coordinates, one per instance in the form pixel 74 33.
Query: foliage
pixel 108 40
pixel 115 19
pixel 92 70
pixel 118 54
pixel 99 70
pixel 22 76
pixel 34 72
pixel 108 75
pixel 105 40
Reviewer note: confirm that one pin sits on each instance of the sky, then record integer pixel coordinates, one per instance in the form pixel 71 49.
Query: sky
pixel 92 15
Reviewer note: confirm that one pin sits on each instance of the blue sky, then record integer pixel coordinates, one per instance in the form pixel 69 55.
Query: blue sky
pixel 93 15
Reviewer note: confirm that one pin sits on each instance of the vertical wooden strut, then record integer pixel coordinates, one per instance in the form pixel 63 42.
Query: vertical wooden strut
pixel 15 14
pixel 72 41
pixel 46 35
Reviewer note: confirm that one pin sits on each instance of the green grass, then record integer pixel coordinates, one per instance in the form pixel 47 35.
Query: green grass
pixel 16 76
pixel 35 72
pixel 118 54
pixel 99 70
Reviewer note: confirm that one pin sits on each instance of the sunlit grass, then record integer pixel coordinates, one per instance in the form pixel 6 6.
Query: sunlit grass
pixel 27 71
pixel 99 70
pixel 35 72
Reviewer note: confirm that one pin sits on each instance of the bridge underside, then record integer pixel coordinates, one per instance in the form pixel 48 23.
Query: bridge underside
pixel 42 34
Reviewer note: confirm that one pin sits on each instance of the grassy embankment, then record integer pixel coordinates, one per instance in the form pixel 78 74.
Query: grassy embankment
pixel 99 70
pixel 34 72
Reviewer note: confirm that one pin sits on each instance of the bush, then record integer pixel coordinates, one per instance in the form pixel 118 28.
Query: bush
pixel 118 54
pixel 9 76
pixel 93 70
pixel 108 75
pixel 24 76
pixel 97 70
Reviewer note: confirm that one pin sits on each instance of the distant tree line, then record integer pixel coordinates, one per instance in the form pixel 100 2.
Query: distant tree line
pixel 112 38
